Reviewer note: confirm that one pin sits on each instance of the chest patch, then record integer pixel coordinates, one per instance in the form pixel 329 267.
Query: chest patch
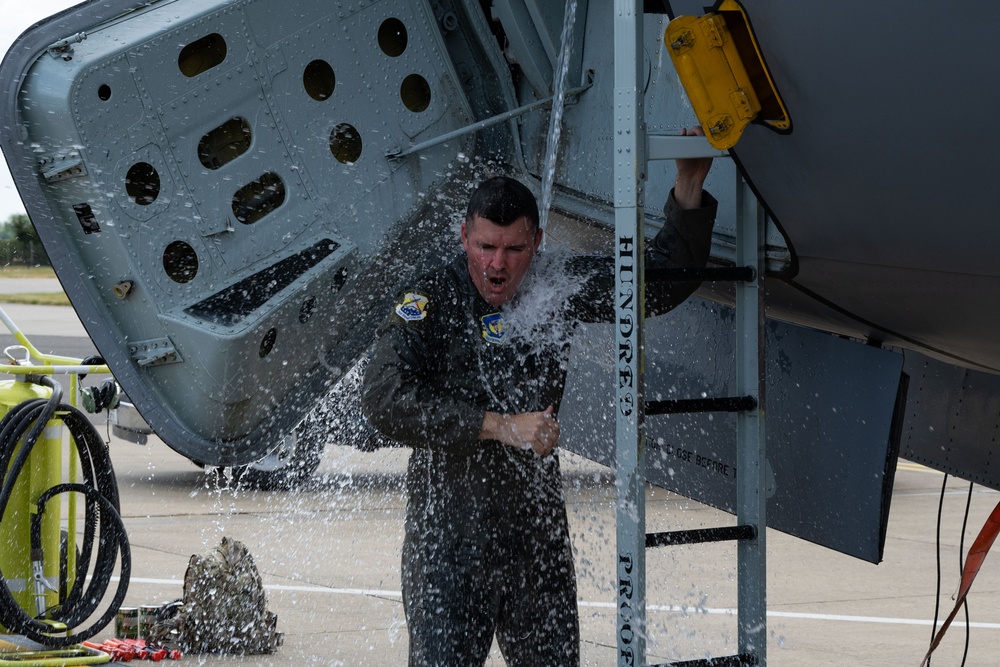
pixel 413 308
pixel 493 328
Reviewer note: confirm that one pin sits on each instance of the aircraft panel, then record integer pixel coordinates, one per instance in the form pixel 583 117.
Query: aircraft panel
pixel 833 410
pixel 885 170
pixel 211 181
pixel 952 420
pixel 218 178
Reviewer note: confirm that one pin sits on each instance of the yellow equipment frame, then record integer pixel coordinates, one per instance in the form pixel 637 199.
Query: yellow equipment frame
pixel 12 652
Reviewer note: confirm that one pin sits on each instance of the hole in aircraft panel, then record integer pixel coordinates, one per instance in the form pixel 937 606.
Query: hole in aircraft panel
pixel 104 92
pixel 88 221
pixel 202 55
pixel 234 303
pixel 267 344
pixel 225 143
pixel 415 93
pixel 142 183
pixel 258 198
pixel 180 261
pixel 392 37
pixel 319 80
pixel 307 309
pixel 345 143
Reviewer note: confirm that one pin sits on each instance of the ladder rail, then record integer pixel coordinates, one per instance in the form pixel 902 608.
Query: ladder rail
pixel 630 155
pixel 630 478
pixel 751 483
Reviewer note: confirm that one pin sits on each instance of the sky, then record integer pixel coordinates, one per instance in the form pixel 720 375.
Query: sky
pixel 18 16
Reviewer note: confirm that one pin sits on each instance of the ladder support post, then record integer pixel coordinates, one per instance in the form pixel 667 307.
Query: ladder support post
pixel 630 478
pixel 751 454
pixel 630 155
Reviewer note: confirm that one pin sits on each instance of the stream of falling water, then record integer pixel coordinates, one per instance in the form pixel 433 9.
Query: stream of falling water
pixel 555 117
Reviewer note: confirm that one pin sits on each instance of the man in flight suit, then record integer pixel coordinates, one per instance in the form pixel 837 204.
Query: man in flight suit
pixel 469 370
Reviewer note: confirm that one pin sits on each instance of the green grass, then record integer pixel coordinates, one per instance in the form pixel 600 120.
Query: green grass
pixel 36 299
pixel 32 298
pixel 10 271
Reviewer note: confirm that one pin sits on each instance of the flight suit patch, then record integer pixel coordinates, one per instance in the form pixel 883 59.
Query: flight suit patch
pixel 493 328
pixel 413 308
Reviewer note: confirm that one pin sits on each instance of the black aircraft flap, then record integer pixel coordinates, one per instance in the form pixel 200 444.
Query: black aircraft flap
pixel 831 437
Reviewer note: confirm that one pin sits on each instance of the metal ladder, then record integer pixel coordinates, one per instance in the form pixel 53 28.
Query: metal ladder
pixel 632 150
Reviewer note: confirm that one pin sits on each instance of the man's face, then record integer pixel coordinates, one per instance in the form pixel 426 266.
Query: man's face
pixel 499 256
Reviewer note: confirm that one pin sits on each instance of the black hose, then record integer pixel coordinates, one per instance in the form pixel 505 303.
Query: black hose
pixel 937 595
pixel 961 570
pixel 103 524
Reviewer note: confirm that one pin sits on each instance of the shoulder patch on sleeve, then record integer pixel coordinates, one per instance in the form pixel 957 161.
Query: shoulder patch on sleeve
pixel 413 308
pixel 493 331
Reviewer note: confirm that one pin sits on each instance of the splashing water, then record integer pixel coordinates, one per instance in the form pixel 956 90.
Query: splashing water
pixel 555 118
pixel 537 314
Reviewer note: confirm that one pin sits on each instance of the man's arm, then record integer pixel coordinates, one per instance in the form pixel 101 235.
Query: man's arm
pixel 691 175
pixel 686 237
pixel 408 410
pixel 399 399
pixel 684 241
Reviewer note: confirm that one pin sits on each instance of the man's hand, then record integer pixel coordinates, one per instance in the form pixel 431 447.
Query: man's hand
pixel 691 174
pixel 538 431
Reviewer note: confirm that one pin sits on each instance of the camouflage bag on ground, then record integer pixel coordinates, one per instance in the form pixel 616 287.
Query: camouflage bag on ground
pixel 224 609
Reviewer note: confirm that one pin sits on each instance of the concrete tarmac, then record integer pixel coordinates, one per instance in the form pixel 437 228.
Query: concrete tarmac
pixel 30 285
pixel 329 555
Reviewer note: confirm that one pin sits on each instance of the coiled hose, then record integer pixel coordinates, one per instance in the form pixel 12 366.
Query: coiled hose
pixel 103 524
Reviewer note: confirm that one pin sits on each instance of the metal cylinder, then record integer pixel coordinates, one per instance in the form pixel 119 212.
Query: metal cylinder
pixel 42 471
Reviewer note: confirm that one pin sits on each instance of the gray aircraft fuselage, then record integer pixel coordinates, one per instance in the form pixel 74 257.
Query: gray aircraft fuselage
pixel 226 192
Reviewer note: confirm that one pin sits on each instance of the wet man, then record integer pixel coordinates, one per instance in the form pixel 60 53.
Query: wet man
pixel 469 370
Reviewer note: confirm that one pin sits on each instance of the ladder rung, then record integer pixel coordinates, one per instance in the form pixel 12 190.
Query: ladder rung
pixel 725 404
pixel 710 274
pixel 739 660
pixel 700 536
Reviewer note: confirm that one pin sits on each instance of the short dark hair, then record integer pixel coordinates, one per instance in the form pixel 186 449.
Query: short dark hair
pixel 502 200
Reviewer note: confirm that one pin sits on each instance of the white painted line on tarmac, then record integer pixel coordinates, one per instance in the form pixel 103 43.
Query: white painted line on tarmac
pixel 937 494
pixel 692 611
pixel 283 587
pixel 874 619
pixel 335 591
